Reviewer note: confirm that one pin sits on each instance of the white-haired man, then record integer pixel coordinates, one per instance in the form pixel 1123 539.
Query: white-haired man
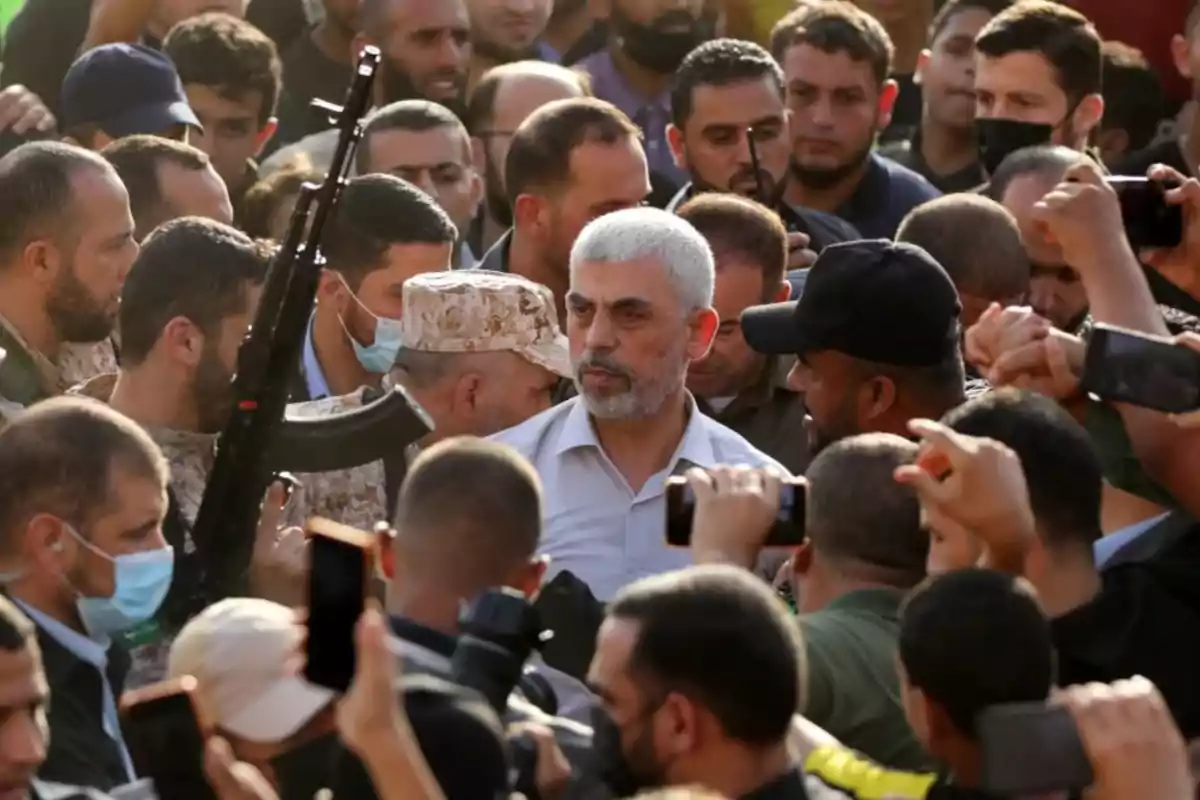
pixel 639 310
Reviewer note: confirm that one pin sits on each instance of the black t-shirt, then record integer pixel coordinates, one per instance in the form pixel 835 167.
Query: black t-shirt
pixel 1165 152
pixel 283 20
pixel 41 44
pixel 908 154
pixel 1143 622
pixel 308 74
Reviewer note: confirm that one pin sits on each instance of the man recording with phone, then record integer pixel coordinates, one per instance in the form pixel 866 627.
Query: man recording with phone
pixel 862 547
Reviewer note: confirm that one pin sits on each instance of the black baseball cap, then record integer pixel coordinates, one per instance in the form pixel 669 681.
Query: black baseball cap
pixel 125 89
pixel 874 300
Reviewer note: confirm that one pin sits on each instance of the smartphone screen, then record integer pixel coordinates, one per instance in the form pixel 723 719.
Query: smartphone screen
pixel 1148 219
pixel 166 743
pixel 787 530
pixel 1127 367
pixel 337 591
pixel 1030 748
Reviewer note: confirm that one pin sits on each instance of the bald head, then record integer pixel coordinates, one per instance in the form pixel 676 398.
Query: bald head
pixel 504 98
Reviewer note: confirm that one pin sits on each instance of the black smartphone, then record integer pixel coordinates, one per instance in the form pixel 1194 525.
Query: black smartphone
pixel 166 732
pixel 1128 367
pixel 1150 221
pixel 1031 748
pixel 787 530
pixel 339 578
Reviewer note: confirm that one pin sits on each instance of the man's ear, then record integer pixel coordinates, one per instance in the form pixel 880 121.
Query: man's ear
pixel 182 341
pixel 1088 114
pixel 385 547
pixel 922 64
pixel 528 580
pixel 529 212
pixel 264 135
pixel 41 261
pixel 887 103
pixel 877 397
pixel 783 294
pixel 675 142
pixel 1180 52
pixel 464 398
pixel 704 329
pixel 478 155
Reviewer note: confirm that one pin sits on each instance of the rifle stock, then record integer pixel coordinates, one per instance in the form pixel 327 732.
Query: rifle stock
pixel 227 521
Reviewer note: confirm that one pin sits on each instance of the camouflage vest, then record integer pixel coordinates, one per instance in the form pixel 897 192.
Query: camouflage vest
pixel 21 380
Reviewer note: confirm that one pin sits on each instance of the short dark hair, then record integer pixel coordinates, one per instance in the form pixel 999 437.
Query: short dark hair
pixel 17 632
pixel 189 267
pixel 268 196
pixel 1009 658
pixel 720 62
pixel 977 242
pixel 739 227
pixel 228 55
pixel 36 194
pixel 490 530
pixel 1061 35
pixel 1061 466
pixel 138 159
pixel 857 515
pixel 481 104
pixel 374 213
pixel 405 115
pixel 941 20
pixel 719 636
pixel 58 457
pixel 1134 100
pixel 539 156
pixel 1047 160
pixel 836 27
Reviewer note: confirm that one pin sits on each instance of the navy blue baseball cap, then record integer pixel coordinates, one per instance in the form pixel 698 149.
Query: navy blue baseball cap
pixel 125 89
pixel 874 300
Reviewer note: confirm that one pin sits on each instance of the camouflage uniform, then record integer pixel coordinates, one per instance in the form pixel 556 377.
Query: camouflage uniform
pixel 472 311
pixel 354 497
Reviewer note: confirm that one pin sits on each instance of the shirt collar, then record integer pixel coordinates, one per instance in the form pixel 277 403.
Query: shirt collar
pixel 881 600
pixel 314 376
pixel 695 448
pixel 93 650
pixel 496 258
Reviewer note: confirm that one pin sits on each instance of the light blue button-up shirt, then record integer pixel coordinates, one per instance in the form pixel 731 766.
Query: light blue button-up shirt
pixel 94 652
pixel 1107 546
pixel 595 525
pixel 314 376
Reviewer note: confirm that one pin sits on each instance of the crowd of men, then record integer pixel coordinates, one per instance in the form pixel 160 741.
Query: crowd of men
pixel 853 251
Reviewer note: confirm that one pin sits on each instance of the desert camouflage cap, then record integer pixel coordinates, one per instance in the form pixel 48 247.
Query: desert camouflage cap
pixel 474 311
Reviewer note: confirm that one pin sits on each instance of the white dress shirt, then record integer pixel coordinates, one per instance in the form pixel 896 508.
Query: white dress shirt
pixel 595 525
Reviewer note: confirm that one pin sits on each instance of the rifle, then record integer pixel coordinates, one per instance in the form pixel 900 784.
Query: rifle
pixel 244 466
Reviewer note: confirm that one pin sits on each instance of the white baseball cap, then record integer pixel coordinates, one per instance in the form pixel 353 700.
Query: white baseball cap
pixel 239 651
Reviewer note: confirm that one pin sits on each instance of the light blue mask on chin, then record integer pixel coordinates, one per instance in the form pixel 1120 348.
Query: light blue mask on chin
pixel 140 584
pixel 379 356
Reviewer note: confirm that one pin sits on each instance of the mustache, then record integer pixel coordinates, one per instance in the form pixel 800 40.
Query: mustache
pixel 602 362
pixel 675 21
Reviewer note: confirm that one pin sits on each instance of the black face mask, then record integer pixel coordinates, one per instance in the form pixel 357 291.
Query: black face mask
pixel 308 768
pixel 661 46
pixel 996 139
pixel 622 776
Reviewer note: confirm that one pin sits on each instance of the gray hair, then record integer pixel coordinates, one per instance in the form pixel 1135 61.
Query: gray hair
pixel 635 234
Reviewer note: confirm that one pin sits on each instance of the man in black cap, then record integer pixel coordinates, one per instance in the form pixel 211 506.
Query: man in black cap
pixel 118 90
pixel 876 335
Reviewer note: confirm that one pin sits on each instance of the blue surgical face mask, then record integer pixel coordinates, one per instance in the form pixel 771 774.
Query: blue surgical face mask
pixel 140 583
pixel 379 356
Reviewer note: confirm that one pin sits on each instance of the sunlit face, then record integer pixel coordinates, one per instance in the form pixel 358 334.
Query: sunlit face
pixel 1023 86
pixel 730 366
pixel 427 49
pixel 24 730
pixel 837 108
pixel 1055 290
pixel 714 144
pixel 603 178
pixel 194 193
pixel 506 30
pixel 437 161
pixel 947 72
pixel 381 291
pixel 234 131
pixel 92 261
pixel 517 96
pixel 631 338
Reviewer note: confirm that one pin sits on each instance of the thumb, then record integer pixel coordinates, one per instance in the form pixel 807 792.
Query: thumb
pixel 272 512
pixel 376 666
pixel 218 767
pixel 1059 364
